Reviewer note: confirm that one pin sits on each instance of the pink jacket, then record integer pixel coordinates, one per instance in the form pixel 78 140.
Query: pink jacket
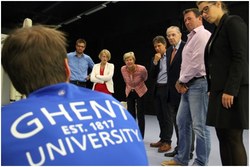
pixel 135 80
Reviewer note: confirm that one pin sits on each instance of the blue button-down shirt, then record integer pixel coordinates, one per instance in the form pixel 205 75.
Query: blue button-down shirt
pixel 162 75
pixel 79 66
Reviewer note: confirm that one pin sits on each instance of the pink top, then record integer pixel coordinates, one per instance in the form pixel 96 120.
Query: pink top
pixel 135 80
pixel 193 55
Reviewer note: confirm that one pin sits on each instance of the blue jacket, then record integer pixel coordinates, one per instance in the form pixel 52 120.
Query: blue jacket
pixel 64 124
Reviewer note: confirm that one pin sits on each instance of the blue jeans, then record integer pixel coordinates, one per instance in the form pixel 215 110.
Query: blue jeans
pixel 192 113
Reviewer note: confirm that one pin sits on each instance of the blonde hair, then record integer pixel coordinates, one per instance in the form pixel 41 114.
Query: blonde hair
pixel 129 55
pixel 106 52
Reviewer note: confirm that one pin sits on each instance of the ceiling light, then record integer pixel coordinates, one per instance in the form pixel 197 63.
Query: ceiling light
pixel 95 9
pixel 72 20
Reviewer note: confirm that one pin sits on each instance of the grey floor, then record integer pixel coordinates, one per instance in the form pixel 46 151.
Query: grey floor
pixel 155 158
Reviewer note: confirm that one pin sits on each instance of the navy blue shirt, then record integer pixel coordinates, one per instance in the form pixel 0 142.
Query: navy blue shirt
pixel 64 124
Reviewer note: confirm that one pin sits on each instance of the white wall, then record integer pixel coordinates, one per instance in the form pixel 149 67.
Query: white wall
pixel 5 82
pixel 5 88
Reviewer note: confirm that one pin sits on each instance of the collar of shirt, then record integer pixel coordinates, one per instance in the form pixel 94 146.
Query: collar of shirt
pixel 177 46
pixel 195 30
pixel 80 55
pixel 164 55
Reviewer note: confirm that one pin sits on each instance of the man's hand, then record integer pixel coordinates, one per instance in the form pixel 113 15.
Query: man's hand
pixel 88 77
pixel 180 87
pixel 157 58
pixel 227 100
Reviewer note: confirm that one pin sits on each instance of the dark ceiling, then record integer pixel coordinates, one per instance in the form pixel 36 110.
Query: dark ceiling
pixel 115 17
pixel 45 12
pixel 69 15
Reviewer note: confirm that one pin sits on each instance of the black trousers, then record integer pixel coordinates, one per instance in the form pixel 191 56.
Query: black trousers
pixel 163 114
pixel 135 105
pixel 232 149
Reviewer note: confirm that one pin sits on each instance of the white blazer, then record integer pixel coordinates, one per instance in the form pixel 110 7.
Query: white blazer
pixel 106 78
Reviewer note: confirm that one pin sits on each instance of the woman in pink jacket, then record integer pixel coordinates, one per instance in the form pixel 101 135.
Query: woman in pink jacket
pixel 134 76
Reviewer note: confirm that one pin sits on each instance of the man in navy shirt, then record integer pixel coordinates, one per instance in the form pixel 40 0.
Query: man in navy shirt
pixel 60 123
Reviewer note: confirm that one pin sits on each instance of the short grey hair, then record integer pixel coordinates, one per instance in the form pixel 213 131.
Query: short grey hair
pixel 129 55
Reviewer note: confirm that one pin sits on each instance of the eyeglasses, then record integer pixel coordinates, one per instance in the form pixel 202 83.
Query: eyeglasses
pixel 205 9
pixel 80 46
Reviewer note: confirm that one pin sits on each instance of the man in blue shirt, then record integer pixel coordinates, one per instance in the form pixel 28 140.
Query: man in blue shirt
pixel 80 63
pixel 158 72
pixel 60 123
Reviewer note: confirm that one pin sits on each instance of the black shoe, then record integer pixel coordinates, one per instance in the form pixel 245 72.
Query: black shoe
pixel 171 154
pixel 191 156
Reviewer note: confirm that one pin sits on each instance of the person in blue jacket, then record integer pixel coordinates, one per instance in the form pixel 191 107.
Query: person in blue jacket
pixel 60 123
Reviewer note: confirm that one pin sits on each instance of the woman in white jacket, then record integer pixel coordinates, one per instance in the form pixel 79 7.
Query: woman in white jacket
pixel 102 74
